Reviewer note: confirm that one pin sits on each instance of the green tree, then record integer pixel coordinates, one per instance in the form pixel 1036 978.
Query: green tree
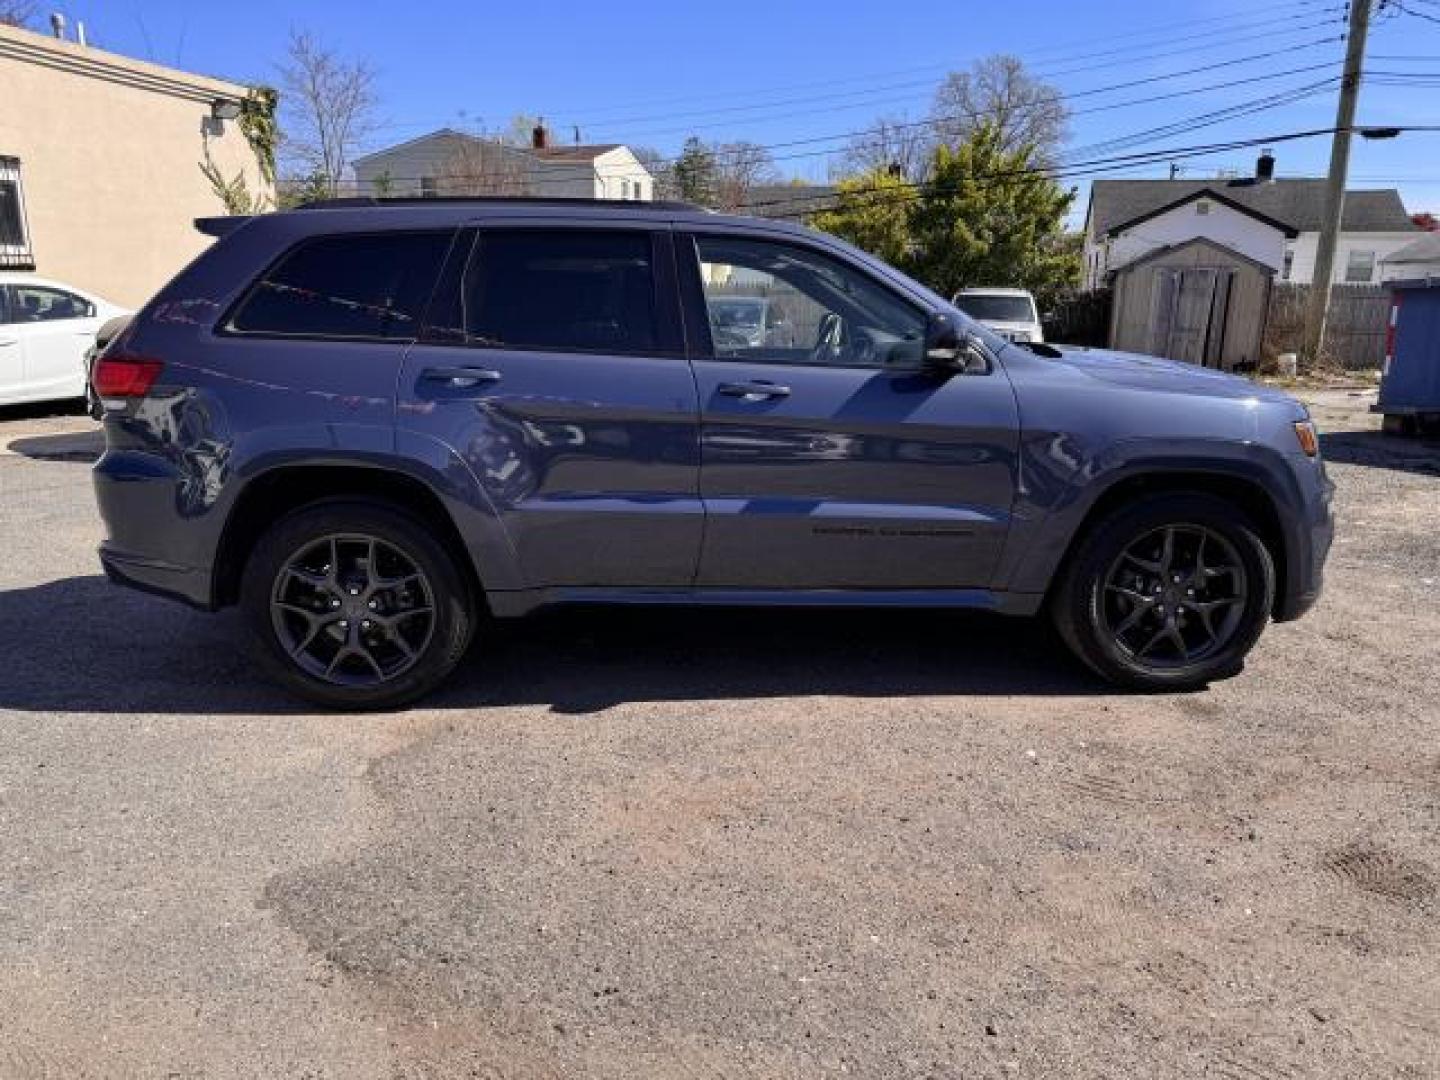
pixel 872 211
pixel 989 216
pixel 694 173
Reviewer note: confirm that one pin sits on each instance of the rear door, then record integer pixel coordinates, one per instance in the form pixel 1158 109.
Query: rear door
pixel 829 458
pixel 553 365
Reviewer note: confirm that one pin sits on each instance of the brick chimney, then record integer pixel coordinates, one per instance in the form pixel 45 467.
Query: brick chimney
pixel 539 137
pixel 1265 166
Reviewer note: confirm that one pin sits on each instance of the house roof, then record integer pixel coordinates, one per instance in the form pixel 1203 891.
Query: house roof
pixel 574 153
pixel 1224 250
pixel 1214 196
pixel 1424 250
pixel 439 134
pixel 787 200
pixel 1298 203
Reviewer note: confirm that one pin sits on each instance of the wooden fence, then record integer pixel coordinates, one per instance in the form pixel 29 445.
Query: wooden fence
pixel 1078 318
pixel 1354 331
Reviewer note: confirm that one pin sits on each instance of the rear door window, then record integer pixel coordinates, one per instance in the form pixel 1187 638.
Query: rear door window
pixel 38 303
pixel 565 290
pixel 368 286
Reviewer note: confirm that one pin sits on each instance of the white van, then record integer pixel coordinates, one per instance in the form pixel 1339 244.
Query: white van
pixel 1011 313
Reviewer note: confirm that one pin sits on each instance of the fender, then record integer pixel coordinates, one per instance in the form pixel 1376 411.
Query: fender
pixel 1054 503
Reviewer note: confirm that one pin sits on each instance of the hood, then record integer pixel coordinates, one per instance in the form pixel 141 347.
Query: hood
pixel 1007 326
pixel 1169 376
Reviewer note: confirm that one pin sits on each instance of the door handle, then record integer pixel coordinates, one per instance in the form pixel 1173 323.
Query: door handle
pixel 758 390
pixel 9 341
pixel 460 377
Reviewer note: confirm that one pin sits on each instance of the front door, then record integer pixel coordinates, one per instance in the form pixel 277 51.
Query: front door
pixel 53 328
pixel 829 458
pixel 553 365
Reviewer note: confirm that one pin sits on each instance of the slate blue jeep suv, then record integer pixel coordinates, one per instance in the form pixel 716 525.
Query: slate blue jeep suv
pixel 372 424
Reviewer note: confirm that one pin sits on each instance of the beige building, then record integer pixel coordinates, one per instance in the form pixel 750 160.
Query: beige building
pixel 100 160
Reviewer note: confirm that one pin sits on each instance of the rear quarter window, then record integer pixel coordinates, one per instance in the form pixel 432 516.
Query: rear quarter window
pixel 370 286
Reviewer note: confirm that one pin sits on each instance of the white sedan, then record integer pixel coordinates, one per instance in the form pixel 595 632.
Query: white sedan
pixel 45 329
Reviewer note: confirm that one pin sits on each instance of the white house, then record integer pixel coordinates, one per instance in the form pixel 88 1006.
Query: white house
pixel 1418 259
pixel 1274 221
pixel 449 162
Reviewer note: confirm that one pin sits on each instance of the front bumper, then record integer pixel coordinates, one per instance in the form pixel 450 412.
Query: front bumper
pixel 1309 543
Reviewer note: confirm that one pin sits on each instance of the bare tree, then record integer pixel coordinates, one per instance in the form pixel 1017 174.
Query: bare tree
pixel 740 166
pixel 892 142
pixel 328 108
pixel 998 90
pixel 483 167
pixel 658 167
pixel 16 12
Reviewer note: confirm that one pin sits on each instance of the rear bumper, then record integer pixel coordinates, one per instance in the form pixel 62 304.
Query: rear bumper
pixel 151 545
pixel 183 583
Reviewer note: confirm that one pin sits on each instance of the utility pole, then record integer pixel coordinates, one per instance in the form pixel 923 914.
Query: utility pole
pixel 1314 339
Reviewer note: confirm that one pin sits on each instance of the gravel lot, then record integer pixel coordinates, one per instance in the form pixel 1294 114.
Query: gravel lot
pixel 720 845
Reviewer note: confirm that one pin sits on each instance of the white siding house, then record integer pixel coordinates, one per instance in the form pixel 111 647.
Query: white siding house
pixel 1274 221
pixel 1418 259
pixel 1201 214
pixel 449 162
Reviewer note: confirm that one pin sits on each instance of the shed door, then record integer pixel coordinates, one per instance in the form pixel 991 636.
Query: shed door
pixel 1194 301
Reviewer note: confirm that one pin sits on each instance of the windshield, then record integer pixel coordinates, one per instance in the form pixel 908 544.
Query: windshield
pixel 996 308
pixel 739 314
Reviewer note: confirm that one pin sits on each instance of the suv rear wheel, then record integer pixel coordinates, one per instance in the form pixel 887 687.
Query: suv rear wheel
pixel 355 605
pixel 1168 593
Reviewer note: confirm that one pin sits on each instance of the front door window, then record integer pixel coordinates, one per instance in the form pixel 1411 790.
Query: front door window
pixel 776 303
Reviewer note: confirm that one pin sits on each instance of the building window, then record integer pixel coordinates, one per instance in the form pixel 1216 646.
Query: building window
pixel 1359 267
pixel 1289 265
pixel 1203 206
pixel 15 252
pixel 428 188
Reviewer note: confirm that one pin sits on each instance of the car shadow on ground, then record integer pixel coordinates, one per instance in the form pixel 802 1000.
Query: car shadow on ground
pixel 1375 449
pixel 81 447
pixel 83 645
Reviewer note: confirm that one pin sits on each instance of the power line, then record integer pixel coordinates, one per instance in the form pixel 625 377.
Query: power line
pixel 1245 30
pixel 1082 168
pixel 831 96
pixel 1178 127
pixel 1298 8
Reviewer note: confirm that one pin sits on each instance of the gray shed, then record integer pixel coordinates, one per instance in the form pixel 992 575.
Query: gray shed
pixel 1197 301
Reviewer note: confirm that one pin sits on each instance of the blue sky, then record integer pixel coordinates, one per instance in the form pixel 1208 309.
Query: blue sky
pixel 649 73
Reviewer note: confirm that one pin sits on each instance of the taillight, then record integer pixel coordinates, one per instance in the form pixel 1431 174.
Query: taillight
pixel 124 376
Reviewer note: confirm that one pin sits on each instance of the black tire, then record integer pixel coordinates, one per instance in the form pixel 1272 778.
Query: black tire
pixel 1093 598
pixel 359 682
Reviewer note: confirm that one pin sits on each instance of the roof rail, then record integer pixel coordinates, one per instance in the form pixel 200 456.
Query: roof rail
pixel 359 201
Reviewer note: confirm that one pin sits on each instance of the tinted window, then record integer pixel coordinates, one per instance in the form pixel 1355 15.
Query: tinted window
pixel 36 303
pixel 363 286
pixel 562 290
pixel 778 303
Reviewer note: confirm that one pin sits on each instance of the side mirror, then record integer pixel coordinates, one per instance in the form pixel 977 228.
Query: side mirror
pixel 944 343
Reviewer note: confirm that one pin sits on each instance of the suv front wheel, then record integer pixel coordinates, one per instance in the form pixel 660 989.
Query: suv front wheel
pixel 1168 593
pixel 355 605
